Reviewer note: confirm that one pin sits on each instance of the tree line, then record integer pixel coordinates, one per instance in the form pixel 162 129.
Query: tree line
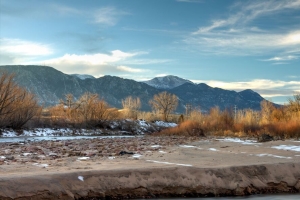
pixel 19 108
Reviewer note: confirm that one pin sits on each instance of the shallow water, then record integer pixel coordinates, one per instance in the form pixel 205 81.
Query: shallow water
pixel 52 138
pixel 253 197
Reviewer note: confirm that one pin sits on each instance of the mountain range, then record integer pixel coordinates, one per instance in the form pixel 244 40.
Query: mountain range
pixel 51 85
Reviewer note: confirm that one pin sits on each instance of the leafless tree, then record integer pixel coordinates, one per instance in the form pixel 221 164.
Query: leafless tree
pixel 266 111
pixel 17 105
pixel 294 103
pixel 88 111
pixel 131 106
pixel 164 103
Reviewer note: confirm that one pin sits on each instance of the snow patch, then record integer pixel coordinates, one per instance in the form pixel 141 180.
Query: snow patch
pixel 287 147
pixel 136 156
pixel 83 158
pixel 238 140
pixel 271 155
pixel 189 146
pixel 165 124
pixel 155 146
pixel 41 165
pixel 81 178
pixel 168 163
pixel 213 149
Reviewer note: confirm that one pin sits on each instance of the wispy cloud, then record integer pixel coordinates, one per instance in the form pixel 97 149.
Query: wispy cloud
pixel 14 51
pixel 271 88
pixel 108 15
pixel 65 10
pixel 249 11
pixel 239 35
pixel 282 58
pixel 147 61
pixel 91 59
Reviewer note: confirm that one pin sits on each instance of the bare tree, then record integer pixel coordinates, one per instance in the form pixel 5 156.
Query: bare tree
pixel 266 111
pixel 164 103
pixel 17 105
pixel 90 110
pixel 294 103
pixel 131 106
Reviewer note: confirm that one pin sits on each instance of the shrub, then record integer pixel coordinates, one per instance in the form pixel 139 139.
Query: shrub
pixel 187 128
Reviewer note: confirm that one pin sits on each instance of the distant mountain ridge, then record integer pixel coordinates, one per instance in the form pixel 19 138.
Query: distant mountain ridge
pixel 51 85
pixel 167 82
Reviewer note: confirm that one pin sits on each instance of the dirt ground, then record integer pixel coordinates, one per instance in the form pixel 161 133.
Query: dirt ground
pixel 201 152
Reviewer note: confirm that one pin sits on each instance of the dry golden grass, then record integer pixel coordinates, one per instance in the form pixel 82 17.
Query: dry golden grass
pixel 187 128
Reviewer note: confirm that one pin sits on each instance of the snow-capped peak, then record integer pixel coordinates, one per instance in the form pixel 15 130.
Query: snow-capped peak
pixel 166 82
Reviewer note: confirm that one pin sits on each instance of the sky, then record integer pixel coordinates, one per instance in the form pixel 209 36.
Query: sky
pixel 229 44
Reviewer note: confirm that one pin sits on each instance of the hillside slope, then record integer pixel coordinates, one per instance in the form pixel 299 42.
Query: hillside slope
pixel 51 85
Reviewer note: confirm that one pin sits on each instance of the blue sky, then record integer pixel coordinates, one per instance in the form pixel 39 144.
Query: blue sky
pixel 230 44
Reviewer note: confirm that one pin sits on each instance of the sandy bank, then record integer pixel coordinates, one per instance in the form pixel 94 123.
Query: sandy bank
pixel 159 167
pixel 154 182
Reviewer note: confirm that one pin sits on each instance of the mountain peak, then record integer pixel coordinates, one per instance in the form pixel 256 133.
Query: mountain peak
pixel 167 82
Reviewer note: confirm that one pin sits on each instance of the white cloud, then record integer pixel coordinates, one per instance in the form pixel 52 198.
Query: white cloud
pixel 96 64
pixel 16 51
pixel 108 15
pixel 161 75
pixel 23 47
pixel 131 70
pixel 271 88
pixel 291 39
pixel 282 58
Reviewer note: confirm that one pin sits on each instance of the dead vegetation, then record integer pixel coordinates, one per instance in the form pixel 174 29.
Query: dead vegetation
pixel 17 105
pixel 19 108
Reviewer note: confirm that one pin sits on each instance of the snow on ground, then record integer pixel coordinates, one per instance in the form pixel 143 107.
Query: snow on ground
pixel 40 165
pixel 81 178
pixel 238 140
pixel 168 163
pixel 83 158
pixel 287 147
pixel 38 132
pixel 271 155
pixel 143 123
pixel 165 124
pixel 213 149
pixel 155 146
pixel 189 146
pixel 136 156
pixel 127 126
pixel 162 152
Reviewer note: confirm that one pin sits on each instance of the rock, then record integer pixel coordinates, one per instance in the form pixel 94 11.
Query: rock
pixel 10 157
pixel 265 138
pixel 125 152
